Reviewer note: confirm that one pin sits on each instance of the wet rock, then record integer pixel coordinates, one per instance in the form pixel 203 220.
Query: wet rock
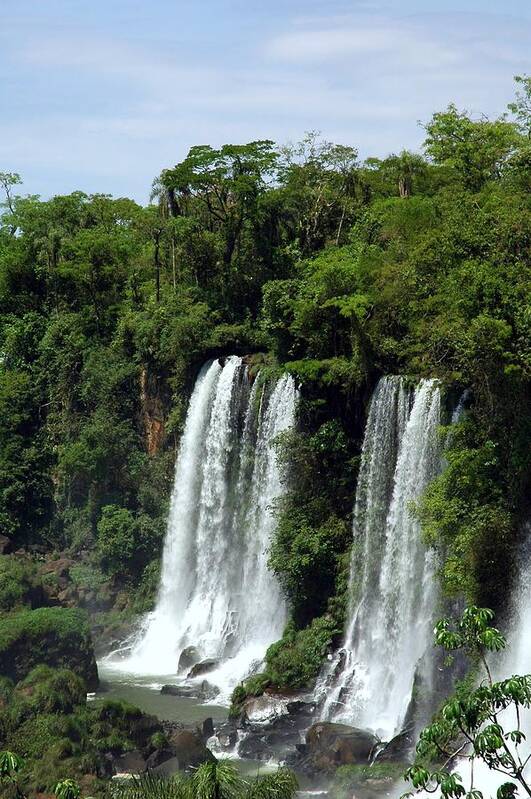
pixel 330 745
pixel 398 749
pixel 207 691
pixel 189 749
pixel 203 691
pixel 203 667
pixel 273 724
pixel 207 729
pixel 227 735
pixel 189 657
pixel 158 757
pixel 180 690
pixel 264 710
pixel 130 763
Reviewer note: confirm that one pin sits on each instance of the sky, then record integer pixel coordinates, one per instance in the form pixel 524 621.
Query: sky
pixel 101 95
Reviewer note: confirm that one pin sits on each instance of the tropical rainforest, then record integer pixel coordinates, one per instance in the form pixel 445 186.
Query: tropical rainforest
pixel 301 257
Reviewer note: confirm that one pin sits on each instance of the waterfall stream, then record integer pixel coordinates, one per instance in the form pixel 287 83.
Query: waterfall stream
pixel 216 592
pixel 392 588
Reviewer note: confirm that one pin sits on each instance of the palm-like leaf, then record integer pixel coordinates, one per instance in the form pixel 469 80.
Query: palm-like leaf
pixel 218 780
pixel 67 789
pixel 281 784
pixel 10 764
pixel 148 786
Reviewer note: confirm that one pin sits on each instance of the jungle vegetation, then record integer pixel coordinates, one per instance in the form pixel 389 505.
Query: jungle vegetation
pixel 338 269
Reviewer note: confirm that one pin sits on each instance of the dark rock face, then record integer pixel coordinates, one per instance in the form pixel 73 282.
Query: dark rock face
pixel 207 729
pixel 6 545
pixel 398 749
pixel 227 735
pixel 202 668
pixel 271 724
pixel 189 657
pixel 331 745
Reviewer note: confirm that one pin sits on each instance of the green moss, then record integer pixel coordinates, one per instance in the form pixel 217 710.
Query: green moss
pixel 356 780
pixel 158 740
pixel 58 637
pixel 295 660
pixel 85 575
pixel 254 686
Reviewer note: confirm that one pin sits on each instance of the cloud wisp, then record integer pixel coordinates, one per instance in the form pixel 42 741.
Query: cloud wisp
pixel 105 108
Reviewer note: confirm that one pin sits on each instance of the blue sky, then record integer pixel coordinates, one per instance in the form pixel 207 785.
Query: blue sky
pixel 101 95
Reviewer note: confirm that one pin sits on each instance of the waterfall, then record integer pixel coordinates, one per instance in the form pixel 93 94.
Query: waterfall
pixel 216 592
pixel 392 591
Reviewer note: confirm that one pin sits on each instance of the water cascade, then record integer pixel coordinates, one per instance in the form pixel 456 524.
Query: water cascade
pixel 392 588
pixel 216 592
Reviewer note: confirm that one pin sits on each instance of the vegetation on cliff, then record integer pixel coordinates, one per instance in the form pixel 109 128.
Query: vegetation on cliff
pixel 340 270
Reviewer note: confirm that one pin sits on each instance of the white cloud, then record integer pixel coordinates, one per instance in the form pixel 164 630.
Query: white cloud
pixel 363 80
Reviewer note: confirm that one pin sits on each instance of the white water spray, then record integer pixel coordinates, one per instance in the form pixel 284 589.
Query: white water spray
pixel 392 586
pixel 216 593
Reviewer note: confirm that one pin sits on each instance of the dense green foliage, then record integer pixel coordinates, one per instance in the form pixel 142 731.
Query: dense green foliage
pixel 339 271
pixel 56 735
pixel 295 660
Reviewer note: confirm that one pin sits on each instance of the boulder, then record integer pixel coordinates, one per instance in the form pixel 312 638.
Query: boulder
pixel 330 745
pixel 202 691
pixel 158 757
pixel 398 749
pixel 188 658
pixel 272 725
pixel 227 735
pixel 207 729
pixel 203 667
pixel 180 690
pixel 188 748
pixel 264 710
pixel 167 768
pixel 130 763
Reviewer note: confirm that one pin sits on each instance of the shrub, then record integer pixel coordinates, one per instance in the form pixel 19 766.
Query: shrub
pixel 126 543
pixel 53 690
pixel 18 583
